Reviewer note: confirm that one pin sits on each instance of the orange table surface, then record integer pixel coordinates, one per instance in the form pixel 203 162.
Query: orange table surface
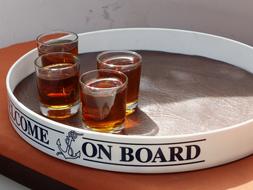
pixel 237 175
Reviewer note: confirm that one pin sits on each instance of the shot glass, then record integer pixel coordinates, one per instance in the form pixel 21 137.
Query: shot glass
pixel 128 62
pixel 103 96
pixel 57 76
pixel 57 41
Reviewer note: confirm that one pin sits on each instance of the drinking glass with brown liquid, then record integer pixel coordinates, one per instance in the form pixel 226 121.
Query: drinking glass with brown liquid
pixel 57 76
pixel 129 63
pixel 58 41
pixel 103 96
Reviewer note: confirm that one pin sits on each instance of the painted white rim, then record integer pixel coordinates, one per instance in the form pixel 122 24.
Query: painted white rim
pixel 138 154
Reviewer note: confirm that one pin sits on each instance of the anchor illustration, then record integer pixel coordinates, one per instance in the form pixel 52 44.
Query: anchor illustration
pixel 68 153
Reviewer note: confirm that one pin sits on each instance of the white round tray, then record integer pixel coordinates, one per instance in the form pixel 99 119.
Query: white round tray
pixel 137 153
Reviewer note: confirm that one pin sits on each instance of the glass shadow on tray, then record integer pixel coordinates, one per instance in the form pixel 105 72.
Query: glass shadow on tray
pixel 137 123
pixel 179 94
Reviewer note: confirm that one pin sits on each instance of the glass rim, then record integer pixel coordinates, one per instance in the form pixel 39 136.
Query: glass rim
pixel 76 60
pixel 108 71
pixel 55 32
pixel 120 51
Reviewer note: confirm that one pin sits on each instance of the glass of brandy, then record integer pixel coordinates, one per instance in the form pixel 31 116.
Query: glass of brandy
pixel 128 62
pixel 57 41
pixel 57 76
pixel 103 96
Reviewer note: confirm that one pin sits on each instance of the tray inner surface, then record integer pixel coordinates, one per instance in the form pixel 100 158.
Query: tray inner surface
pixel 179 94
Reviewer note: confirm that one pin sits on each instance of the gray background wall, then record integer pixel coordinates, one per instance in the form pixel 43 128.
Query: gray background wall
pixel 22 20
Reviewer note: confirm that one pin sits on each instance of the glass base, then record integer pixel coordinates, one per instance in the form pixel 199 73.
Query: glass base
pixel 131 107
pixel 117 129
pixel 59 112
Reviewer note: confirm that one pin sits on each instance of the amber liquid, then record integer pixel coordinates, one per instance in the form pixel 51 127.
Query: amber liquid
pixel 58 90
pixel 59 46
pixel 133 73
pixel 104 109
